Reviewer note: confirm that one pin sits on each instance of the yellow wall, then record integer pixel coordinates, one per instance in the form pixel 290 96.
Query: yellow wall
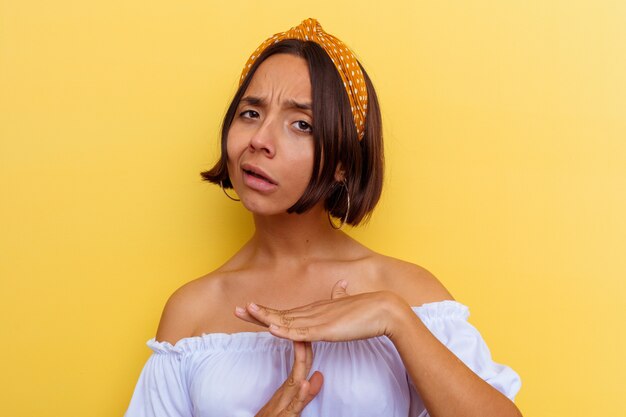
pixel 505 129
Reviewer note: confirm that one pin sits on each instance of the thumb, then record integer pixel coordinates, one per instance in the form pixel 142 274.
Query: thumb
pixel 315 383
pixel 339 289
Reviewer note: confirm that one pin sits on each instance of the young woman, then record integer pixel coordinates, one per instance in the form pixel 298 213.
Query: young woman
pixel 303 320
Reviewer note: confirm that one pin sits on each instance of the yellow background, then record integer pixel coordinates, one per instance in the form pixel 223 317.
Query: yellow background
pixel 505 128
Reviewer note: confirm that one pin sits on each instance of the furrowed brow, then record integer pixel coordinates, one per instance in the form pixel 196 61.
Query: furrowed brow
pixel 292 104
pixel 253 101
pixel 289 104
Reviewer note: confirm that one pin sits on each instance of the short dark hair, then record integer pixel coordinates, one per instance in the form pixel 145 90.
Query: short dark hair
pixel 335 139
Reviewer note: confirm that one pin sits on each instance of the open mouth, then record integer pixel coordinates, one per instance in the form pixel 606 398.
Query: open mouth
pixel 259 176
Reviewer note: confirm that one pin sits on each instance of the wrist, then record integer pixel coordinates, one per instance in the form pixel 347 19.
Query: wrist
pixel 402 319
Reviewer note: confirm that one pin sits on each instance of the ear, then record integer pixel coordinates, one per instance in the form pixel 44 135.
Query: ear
pixel 340 174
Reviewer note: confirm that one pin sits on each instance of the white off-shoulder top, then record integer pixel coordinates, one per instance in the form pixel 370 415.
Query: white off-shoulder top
pixel 234 375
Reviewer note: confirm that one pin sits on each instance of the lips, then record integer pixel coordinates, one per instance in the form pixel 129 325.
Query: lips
pixel 254 174
pixel 257 179
pixel 257 172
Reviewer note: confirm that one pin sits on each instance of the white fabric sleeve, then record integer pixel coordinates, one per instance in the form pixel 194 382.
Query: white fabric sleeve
pixel 447 321
pixel 161 390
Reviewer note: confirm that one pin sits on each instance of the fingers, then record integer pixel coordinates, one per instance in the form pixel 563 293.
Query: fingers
pixel 297 334
pixel 298 402
pixel 286 324
pixel 287 318
pixel 296 389
pixel 308 390
pixel 268 315
pixel 296 392
pixel 309 356
pixel 339 289
pixel 302 360
pixel 243 314
pixel 301 323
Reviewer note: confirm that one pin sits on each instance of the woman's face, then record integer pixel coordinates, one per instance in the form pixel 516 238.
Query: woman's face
pixel 270 144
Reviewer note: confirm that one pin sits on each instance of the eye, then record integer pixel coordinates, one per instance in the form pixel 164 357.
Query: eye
pixel 249 114
pixel 303 126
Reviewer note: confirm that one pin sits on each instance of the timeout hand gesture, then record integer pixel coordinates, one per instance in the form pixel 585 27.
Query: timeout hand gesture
pixel 343 317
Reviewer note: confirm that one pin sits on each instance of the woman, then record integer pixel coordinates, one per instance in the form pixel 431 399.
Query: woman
pixel 301 145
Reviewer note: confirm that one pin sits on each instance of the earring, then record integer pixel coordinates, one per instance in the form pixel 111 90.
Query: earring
pixel 345 217
pixel 224 190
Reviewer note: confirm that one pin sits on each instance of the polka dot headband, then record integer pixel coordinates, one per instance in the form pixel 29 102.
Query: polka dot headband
pixel 340 55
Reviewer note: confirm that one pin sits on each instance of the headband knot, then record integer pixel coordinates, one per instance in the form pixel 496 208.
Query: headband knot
pixel 342 57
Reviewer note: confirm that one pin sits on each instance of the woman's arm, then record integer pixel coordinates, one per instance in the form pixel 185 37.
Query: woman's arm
pixel 445 384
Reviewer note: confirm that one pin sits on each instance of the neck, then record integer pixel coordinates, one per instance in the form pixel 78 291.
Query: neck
pixel 296 237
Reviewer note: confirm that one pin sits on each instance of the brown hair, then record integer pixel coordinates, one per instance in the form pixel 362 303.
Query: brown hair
pixel 335 139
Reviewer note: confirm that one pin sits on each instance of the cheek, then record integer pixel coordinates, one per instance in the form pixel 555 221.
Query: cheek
pixel 234 146
pixel 309 156
pixel 304 162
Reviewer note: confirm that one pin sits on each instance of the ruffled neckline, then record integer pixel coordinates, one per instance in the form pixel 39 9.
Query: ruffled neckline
pixel 260 341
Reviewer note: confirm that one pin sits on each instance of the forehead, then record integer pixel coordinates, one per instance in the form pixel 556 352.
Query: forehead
pixel 282 74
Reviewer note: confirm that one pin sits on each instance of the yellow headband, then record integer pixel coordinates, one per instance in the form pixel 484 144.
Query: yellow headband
pixel 342 57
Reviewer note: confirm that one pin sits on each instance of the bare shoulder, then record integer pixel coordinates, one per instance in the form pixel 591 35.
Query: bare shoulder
pixel 414 283
pixel 188 305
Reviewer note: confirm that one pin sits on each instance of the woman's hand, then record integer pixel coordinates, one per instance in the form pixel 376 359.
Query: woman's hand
pixel 296 392
pixel 343 317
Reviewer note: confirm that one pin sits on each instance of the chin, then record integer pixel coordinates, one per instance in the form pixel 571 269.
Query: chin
pixel 265 208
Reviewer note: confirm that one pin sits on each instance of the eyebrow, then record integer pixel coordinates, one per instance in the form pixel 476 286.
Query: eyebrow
pixel 289 104
pixel 295 105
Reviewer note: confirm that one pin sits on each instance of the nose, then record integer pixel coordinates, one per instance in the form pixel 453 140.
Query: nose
pixel 264 138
